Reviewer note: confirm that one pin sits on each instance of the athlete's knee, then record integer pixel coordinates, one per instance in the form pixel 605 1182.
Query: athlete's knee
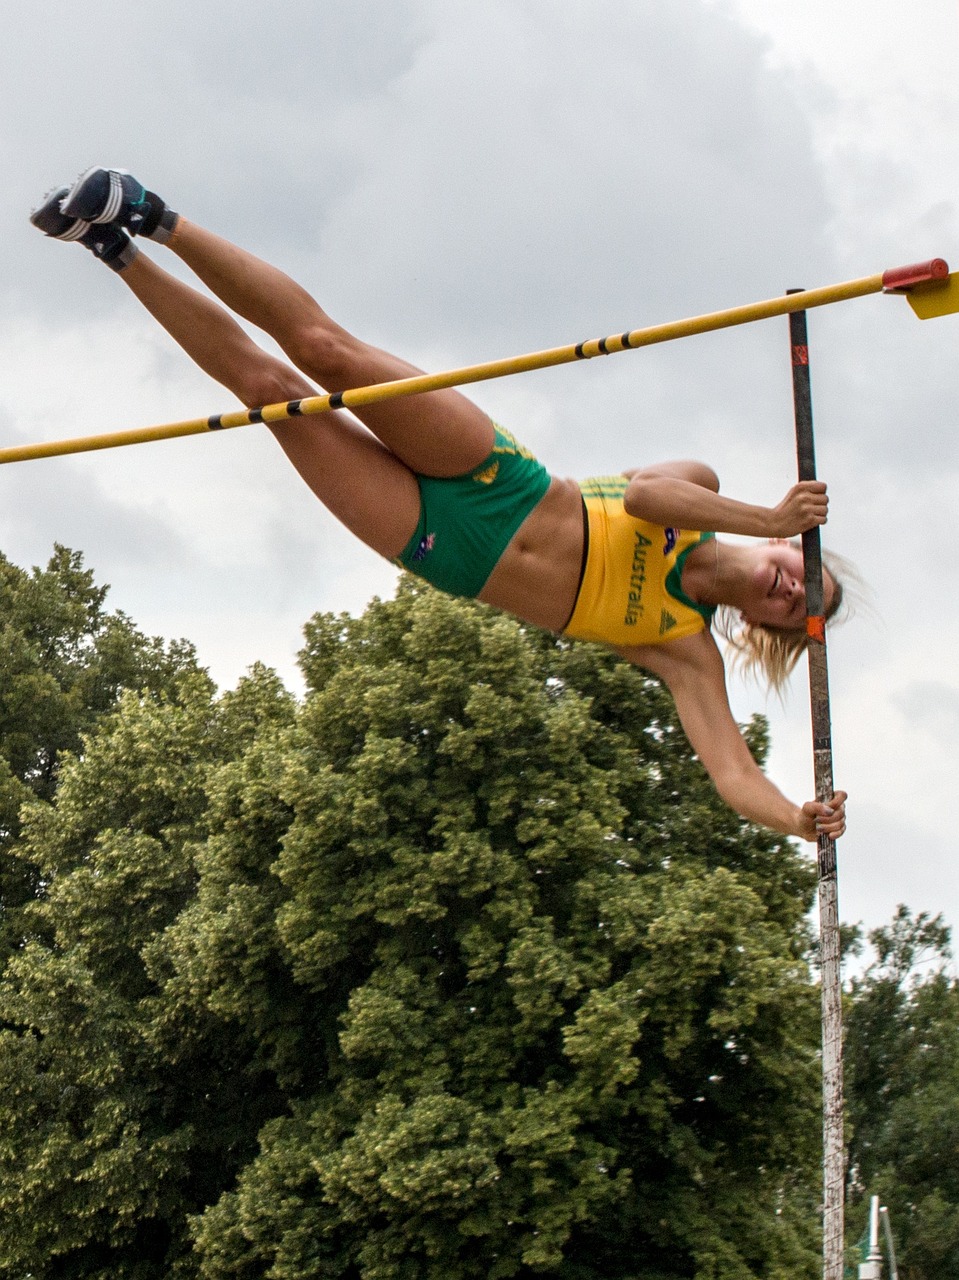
pixel 271 382
pixel 323 351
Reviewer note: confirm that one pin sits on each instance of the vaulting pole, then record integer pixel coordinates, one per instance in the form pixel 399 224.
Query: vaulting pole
pixel 933 274
pixel 834 1167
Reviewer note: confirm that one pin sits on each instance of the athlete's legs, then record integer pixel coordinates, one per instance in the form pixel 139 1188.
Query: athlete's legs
pixel 369 483
pixel 439 433
pixel 361 481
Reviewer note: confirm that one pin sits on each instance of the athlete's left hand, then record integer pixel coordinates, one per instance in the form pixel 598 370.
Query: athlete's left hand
pixel 827 819
pixel 804 507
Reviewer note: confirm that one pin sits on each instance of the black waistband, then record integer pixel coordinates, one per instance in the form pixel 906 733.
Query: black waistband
pixel 582 566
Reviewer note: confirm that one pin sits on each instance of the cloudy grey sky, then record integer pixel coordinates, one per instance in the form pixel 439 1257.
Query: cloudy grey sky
pixel 461 182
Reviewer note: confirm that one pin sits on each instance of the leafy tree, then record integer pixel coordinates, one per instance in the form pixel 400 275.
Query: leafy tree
pixel 903 1092
pixel 63 662
pixel 114 1116
pixel 458 969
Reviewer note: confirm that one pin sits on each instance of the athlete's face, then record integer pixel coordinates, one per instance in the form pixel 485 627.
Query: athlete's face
pixel 776 593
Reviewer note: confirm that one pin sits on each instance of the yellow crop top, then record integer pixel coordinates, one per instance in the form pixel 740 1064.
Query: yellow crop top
pixel 631 592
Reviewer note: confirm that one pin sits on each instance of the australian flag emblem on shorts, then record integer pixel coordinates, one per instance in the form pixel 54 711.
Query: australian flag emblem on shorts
pixel 426 545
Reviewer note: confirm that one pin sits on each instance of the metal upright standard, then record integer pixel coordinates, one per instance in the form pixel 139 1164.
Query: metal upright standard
pixel 833 1145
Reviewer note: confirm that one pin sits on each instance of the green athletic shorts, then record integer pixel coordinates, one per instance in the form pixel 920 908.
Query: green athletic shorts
pixel 466 522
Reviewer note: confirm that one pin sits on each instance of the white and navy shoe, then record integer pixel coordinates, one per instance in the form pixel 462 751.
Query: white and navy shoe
pixel 113 195
pixel 107 241
pixel 52 221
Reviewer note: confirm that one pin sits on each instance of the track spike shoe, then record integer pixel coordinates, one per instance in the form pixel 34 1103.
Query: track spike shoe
pixel 113 195
pixel 107 241
pixel 49 218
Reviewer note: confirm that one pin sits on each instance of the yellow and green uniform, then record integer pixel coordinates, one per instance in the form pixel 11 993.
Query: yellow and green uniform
pixel 631 591
pixel 467 522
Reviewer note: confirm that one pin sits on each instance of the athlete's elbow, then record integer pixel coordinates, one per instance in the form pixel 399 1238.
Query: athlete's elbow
pixel 642 498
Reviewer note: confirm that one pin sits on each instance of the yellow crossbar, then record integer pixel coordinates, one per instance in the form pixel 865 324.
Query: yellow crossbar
pixel 930 275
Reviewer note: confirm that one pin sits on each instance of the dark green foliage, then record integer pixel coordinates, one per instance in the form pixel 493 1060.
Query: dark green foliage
pixel 63 662
pixel 459 969
pixel 117 1109
pixel 903 1093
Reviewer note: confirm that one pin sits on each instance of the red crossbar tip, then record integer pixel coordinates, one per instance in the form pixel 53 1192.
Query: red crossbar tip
pixel 897 279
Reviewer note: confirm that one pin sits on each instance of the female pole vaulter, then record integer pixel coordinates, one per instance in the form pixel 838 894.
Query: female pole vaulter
pixel 431 483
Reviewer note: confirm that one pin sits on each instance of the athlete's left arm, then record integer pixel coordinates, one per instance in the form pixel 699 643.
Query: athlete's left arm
pixel 686 469
pixel 686 494
pixel 692 669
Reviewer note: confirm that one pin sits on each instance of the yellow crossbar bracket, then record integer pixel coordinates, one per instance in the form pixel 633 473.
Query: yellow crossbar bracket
pixel 938 299
pixel 927 284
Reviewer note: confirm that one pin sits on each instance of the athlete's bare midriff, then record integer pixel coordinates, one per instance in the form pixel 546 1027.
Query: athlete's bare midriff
pixel 537 576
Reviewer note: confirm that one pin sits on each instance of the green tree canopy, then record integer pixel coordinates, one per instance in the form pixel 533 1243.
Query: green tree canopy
pixel 459 968
pixel 64 660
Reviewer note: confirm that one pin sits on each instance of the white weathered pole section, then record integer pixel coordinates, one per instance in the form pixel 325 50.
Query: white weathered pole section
pixel 834 1164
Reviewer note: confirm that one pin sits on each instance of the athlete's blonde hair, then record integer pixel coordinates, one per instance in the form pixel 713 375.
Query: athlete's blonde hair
pixel 771 653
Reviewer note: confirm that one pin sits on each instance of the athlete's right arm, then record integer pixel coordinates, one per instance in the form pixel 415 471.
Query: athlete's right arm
pixel 686 495
pixel 692 669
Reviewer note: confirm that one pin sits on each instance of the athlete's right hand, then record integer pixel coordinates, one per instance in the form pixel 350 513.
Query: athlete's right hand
pixel 829 819
pixel 804 507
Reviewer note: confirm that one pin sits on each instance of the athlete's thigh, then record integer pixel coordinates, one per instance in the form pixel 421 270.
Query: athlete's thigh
pixel 363 484
pixel 435 433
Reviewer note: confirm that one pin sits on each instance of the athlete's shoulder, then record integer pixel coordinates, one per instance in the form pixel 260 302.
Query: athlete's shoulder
pixel 698 651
